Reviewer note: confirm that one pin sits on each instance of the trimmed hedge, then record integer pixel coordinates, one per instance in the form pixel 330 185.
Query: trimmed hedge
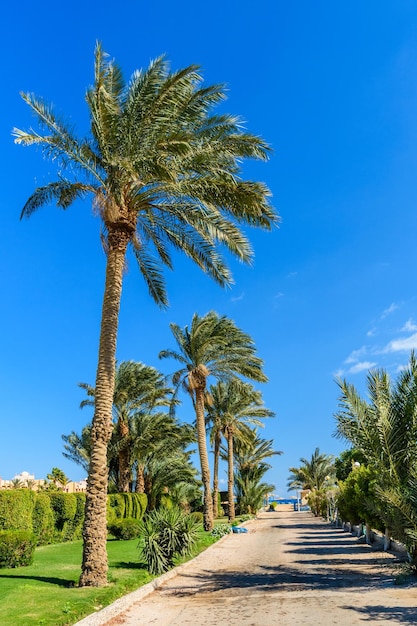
pixel 43 519
pixel 125 529
pixel 56 516
pixel 16 508
pixel 125 505
pixel 17 548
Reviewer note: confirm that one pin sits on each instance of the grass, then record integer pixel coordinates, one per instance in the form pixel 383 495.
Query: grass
pixel 46 593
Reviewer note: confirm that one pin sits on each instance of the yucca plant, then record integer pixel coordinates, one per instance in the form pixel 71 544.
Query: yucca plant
pixel 164 535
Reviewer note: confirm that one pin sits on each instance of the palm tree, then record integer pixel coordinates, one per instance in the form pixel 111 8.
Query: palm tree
pixel 162 172
pixel 156 436
pixel 313 473
pixel 250 463
pixel 234 406
pixel 212 346
pixel 137 388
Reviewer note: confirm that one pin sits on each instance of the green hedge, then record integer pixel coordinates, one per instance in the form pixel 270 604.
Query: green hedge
pixel 16 508
pixel 125 529
pixel 55 516
pixel 125 505
pixel 17 548
pixel 43 519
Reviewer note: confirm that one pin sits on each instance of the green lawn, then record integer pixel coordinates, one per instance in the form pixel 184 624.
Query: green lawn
pixel 46 594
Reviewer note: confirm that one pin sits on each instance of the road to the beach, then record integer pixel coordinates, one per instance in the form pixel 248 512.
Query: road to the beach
pixel 289 569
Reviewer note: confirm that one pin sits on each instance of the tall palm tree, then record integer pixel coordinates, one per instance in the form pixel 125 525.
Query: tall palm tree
pixel 212 346
pixel 234 406
pixel 162 171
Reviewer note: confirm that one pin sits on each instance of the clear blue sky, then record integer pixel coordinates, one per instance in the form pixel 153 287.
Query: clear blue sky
pixel 333 88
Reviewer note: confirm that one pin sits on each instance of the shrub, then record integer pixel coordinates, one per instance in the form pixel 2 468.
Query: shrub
pixel 17 548
pixel 16 508
pixel 125 505
pixel 125 529
pixel 164 535
pixel 43 522
pixel 198 516
pixel 221 530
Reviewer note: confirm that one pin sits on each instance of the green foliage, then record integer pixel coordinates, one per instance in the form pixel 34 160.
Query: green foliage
pixel 384 428
pixel 220 530
pixel 125 529
pixel 197 516
pixel 16 507
pixel 17 548
pixel 64 507
pixel 43 519
pixel 164 535
pixel 317 501
pixel 165 501
pixel 346 462
pixel 312 473
pixel 125 505
pixel 356 499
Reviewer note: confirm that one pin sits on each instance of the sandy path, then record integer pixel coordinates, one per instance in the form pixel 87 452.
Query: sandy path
pixel 289 569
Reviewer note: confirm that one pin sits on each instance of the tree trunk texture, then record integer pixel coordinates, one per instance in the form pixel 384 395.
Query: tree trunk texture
pixel 124 459
pixel 387 539
pixel 202 450
pixel 94 563
pixel 368 534
pixel 216 475
pixel 140 479
pixel 230 482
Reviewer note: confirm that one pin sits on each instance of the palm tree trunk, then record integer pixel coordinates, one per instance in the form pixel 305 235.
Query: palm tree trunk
pixel 230 481
pixel 140 479
pixel 202 449
pixel 216 474
pixel 94 564
pixel 124 459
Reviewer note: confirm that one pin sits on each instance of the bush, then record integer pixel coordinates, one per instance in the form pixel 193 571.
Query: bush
pixel 16 508
pixel 221 530
pixel 125 506
pixel 125 529
pixel 164 535
pixel 17 548
pixel 43 522
pixel 198 516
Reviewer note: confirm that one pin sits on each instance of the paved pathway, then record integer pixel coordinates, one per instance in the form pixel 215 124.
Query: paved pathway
pixel 290 569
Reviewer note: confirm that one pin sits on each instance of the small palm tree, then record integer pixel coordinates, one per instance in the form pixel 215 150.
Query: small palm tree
pixel 250 455
pixel 212 346
pixel 234 406
pixel 313 473
pixel 163 172
pixel 138 388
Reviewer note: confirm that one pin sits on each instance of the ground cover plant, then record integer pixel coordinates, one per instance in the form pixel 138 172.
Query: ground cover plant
pixel 49 585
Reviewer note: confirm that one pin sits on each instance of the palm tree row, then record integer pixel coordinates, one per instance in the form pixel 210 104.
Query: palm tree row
pixel 143 434
pixel 214 346
pixel 163 173
pixel 383 428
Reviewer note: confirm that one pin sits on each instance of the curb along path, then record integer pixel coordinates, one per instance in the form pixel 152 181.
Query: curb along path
pixel 289 569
